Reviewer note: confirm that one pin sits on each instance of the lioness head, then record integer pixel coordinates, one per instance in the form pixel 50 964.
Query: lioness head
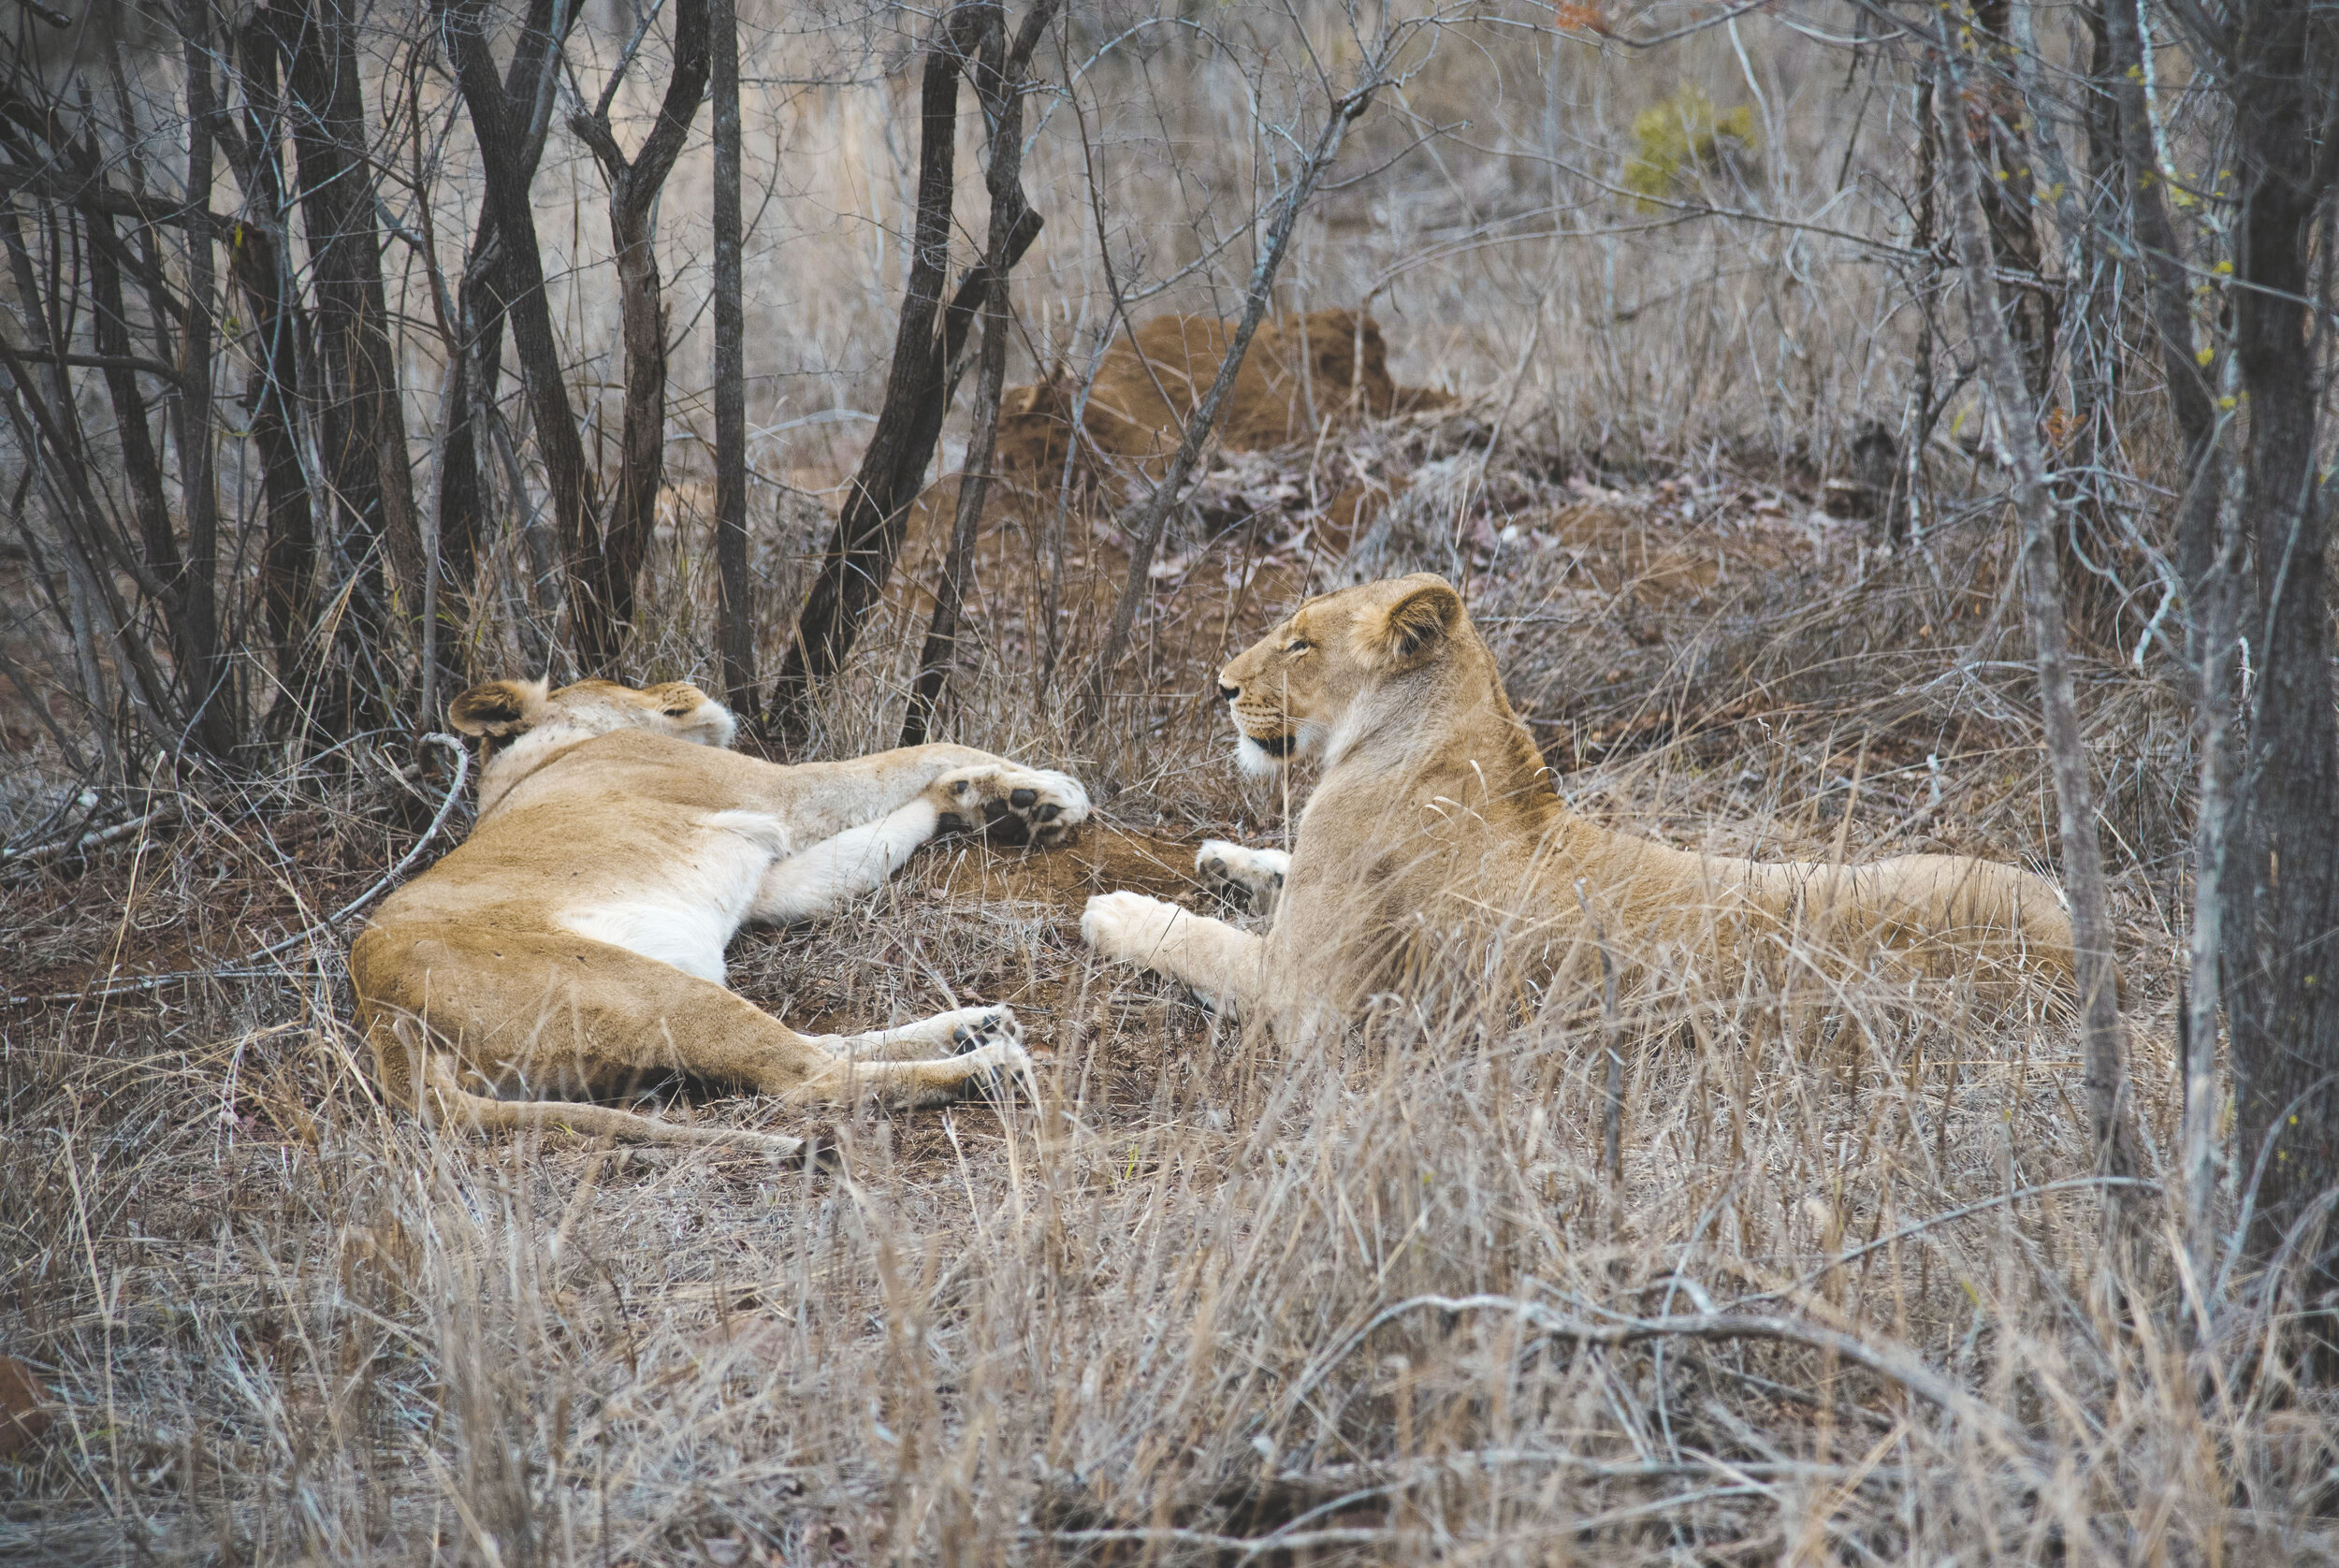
pixel 503 709
pixel 1289 691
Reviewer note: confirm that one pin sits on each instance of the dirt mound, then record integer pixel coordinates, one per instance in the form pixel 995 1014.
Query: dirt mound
pixel 1301 371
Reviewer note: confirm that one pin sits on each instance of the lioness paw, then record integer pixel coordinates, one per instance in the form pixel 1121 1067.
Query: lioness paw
pixel 1016 805
pixel 1250 879
pixel 1127 926
pixel 982 1027
pixel 996 1065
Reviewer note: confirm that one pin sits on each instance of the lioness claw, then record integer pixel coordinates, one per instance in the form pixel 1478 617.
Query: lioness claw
pixel 1250 879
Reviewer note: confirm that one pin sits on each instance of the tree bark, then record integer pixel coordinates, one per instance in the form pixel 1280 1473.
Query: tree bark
pixel 156 564
pixel 2106 1066
pixel 603 580
pixel 1998 135
pixel 2208 554
pixel 141 464
pixel 2170 293
pixel 256 261
pixel 216 714
pixel 2283 897
pixel 734 589
pixel 482 302
pixel 360 424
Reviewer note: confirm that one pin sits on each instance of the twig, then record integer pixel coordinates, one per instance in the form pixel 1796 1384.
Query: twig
pixel 95 839
pixel 1612 1129
pixel 1920 1227
pixel 625 58
pixel 1145 519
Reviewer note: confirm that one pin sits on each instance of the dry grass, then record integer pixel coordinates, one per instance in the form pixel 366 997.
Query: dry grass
pixel 1205 1299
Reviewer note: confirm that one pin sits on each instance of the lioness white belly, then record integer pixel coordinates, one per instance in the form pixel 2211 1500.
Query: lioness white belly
pixel 697 902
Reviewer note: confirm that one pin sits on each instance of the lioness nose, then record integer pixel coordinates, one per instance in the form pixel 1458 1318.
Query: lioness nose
pixel 1228 692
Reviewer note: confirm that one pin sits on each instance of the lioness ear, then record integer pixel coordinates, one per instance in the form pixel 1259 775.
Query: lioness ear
pixel 500 707
pixel 1408 632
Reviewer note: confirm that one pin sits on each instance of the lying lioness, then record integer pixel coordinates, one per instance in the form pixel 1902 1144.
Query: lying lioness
pixel 1436 839
pixel 574 945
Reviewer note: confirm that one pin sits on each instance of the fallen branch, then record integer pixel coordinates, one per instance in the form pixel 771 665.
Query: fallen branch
pixel 1892 1365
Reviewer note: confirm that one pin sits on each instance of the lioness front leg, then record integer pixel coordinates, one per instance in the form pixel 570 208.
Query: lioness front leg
pixel 1043 806
pixel 1218 963
pixel 1250 879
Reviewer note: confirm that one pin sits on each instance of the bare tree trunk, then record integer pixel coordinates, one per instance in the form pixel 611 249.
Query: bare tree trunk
pixel 503 155
pixel 157 563
pixel 2169 291
pixel 360 424
pixel 2209 556
pixel 999 84
pixel 142 464
pixel 603 580
pixel 216 714
pixel 1996 133
pixel 256 260
pixel 734 589
pixel 2283 896
pixel 2214 603
pixel 95 548
pixel 1146 518
pixel 2106 1065
pixel 876 513
pixel 482 302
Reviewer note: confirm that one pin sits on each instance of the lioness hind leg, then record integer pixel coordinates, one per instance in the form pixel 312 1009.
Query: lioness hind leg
pixel 989 1059
pixel 946 1034
pixel 444 1101
pixel 1250 879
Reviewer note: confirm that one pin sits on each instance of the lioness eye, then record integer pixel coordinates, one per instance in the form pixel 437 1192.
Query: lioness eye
pixel 1298 644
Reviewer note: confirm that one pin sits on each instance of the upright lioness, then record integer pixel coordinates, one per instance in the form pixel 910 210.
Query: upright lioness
pixel 1436 839
pixel 574 945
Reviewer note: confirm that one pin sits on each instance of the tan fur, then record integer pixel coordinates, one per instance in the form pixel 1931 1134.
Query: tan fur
pixel 1299 371
pixel 1436 839
pixel 572 946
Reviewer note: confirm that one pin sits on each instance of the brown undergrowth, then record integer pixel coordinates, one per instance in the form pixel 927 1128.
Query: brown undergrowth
pixel 1205 1298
